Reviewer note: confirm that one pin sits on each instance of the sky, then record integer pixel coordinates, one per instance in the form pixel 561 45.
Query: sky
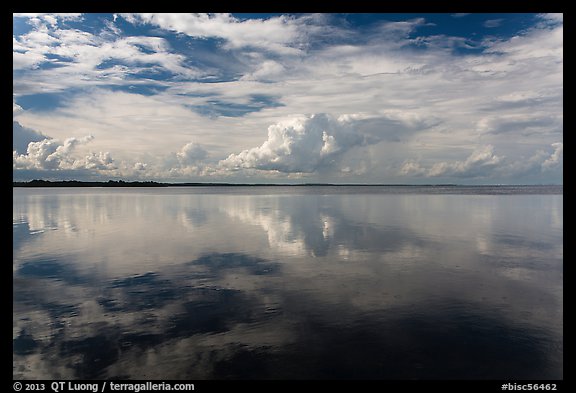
pixel 289 98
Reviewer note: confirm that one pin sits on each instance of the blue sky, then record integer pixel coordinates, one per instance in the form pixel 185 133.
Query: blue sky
pixel 341 98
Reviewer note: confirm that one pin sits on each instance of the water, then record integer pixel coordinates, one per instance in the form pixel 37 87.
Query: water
pixel 288 283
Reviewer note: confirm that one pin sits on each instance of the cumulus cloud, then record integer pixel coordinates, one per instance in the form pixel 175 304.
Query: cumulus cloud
pixel 51 154
pixel 99 161
pixel 412 168
pixel 22 136
pixel 16 109
pixel 191 153
pixel 140 166
pixel 555 158
pixel 483 162
pixel 414 102
pixel 321 142
pixel 480 162
pixel 539 163
pixel 189 162
pixel 301 144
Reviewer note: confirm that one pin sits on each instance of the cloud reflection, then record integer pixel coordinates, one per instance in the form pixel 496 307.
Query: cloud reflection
pixel 286 286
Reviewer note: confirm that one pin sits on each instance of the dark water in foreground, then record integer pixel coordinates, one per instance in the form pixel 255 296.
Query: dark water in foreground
pixel 288 283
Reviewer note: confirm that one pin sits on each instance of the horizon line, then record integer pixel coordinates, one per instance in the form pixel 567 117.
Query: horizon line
pixel 152 183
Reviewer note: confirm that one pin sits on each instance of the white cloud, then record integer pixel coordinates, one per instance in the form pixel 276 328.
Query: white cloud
pixel 129 125
pixel 555 158
pixel 480 163
pixel 412 168
pixel 301 144
pixel 521 123
pixel 491 23
pixel 16 109
pixel 140 166
pixel 22 136
pixel 402 28
pixel 99 161
pixel 279 34
pixel 543 44
pixel 50 17
pixel 82 54
pixel 427 102
pixel 268 70
pixel 484 163
pixel 51 154
pixel 552 19
pixel 539 164
pixel 191 153
pixel 26 60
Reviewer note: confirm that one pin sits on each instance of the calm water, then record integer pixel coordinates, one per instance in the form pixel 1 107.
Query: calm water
pixel 288 283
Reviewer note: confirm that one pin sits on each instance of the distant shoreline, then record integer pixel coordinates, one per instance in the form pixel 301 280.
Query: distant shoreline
pixel 122 183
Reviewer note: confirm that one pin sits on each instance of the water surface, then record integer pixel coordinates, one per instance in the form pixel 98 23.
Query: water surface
pixel 288 283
